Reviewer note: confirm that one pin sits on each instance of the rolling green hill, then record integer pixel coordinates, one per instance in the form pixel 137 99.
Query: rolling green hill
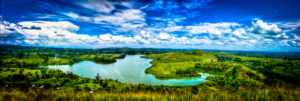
pixel 178 64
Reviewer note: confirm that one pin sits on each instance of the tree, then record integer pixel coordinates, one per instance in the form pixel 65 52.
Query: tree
pixel 37 76
pixel 195 90
pixel 21 55
pixel 98 77
pixel 21 71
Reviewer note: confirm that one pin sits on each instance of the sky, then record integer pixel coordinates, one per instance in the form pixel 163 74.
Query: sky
pixel 257 25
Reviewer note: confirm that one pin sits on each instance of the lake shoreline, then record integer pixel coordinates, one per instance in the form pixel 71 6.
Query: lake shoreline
pixel 130 69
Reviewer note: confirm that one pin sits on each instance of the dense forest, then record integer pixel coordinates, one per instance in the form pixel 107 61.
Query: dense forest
pixel 236 75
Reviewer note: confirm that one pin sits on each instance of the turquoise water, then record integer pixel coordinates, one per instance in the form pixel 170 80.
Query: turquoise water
pixel 131 69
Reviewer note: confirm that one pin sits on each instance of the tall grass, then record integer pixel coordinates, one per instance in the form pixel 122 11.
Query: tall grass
pixel 267 94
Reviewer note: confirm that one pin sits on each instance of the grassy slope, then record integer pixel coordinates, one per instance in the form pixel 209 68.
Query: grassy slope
pixel 14 71
pixel 177 65
pixel 289 68
pixel 169 70
pixel 189 64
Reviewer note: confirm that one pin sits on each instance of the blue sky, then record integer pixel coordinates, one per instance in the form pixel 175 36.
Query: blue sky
pixel 261 25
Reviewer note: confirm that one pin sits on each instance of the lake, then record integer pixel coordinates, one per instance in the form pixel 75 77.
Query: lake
pixel 131 69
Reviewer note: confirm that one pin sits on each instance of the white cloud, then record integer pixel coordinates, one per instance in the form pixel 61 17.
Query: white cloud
pixel 214 28
pixel 5 26
pixel 233 39
pixel 85 19
pixel 173 28
pixel 99 5
pixel 252 41
pixel 268 40
pixel 108 14
pixel 281 36
pixel 260 27
pixel 295 40
pixel 8 33
pixel 105 37
pixel 123 39
pixel 47 16
pixel 240 33
pixel 72 15
pixel 141 40
pixel 219 43
pixel 289 24
pixel 63 33
pixel 53 25
pixel 296 37
pixel 126 20
pixel 164 36
pixel 47 33
pixel 145 34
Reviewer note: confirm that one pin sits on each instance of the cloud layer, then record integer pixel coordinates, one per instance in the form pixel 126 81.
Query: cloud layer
pixel 225 34
pixel 144 23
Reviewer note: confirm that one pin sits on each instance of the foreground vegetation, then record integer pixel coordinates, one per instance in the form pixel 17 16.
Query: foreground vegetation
pixel 234 77
pixel 48 84
pixel 272 94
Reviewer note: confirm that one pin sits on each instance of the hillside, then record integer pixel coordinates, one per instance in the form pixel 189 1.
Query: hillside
pixel 178 64
pixel 229 72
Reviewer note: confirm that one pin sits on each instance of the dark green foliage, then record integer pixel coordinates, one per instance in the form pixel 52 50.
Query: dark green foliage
pixel 32 57
pixel 98 77
pixel 194 90
pixel 277 70
pixel 262 54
